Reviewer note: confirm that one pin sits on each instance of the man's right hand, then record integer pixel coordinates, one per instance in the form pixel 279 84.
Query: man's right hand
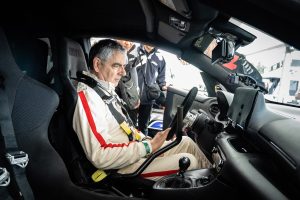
pixel 159 139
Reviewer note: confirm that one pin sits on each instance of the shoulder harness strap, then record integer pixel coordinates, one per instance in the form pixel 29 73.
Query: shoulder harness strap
pixel 125 122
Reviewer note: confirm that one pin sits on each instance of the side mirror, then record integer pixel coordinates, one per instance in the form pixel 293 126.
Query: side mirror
pixel 224 51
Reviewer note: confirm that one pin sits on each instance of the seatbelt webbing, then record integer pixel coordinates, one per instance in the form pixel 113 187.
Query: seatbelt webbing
pixel 125 122
pixel 120 119
pixel 18 187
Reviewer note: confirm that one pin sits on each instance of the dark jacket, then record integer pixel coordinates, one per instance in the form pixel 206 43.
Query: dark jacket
pixel 153 66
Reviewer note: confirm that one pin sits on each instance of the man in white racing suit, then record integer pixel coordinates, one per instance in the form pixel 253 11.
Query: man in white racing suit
pixel 105 132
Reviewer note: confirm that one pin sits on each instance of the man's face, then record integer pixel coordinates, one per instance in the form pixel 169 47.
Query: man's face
pixel 126 44
pixel 112 69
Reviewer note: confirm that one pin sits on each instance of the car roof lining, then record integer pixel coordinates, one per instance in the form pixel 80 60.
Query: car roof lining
pixel 85 19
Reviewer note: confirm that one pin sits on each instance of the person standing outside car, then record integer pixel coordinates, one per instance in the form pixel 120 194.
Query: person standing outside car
pixel 127 88
pixel 105 141
pixel 151 68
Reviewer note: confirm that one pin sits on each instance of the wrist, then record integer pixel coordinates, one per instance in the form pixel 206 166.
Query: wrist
pixel 148 147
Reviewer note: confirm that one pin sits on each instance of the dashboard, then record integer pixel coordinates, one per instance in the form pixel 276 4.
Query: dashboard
pixel 259 150
pixel 254 145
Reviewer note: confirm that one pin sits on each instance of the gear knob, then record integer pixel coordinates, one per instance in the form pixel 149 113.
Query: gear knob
pixel 184 163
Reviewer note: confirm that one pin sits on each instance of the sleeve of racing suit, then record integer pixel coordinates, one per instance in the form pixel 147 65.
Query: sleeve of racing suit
pixel 91 125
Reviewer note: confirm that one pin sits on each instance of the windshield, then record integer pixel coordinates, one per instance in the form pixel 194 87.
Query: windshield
pixel 273 63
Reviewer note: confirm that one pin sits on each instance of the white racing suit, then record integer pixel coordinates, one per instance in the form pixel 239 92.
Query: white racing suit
pixel 107 146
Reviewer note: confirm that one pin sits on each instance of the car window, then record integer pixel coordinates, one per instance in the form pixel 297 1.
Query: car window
pixel 178 71
pixel 182 74
pixel 271 62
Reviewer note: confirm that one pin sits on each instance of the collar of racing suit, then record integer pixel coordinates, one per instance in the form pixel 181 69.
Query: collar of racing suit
pixel 107 86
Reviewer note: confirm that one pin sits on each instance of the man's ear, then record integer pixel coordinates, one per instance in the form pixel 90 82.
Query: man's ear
pixel 96 64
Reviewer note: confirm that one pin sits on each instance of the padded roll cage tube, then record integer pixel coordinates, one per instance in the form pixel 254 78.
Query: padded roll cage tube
pixel 160 151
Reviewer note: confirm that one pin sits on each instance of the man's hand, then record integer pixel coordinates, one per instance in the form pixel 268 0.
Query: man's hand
pixel 164 88
pixel 159 139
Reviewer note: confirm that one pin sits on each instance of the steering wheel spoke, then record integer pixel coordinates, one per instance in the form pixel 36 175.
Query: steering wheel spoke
pixel 186 104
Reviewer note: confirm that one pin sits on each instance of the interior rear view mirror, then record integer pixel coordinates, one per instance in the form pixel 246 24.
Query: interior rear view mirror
pixel 217 46
pixel 223 52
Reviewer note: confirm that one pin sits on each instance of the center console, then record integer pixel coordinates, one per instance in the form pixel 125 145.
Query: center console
pixel 192 184
pixel 191 179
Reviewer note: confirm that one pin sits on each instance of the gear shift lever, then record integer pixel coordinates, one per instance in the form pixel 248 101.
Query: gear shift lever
pixel 179 181
pixel 184 163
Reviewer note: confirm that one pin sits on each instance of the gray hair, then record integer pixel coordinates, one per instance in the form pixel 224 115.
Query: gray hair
pixel 104 49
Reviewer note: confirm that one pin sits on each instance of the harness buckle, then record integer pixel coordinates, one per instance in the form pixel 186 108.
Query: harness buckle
pixel 98 175
pixel 4 177
pixel 19 158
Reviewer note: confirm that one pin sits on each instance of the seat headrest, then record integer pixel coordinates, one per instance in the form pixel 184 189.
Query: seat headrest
pixel 8 65
pixel 9 69
pixel 73 58
pixel 31 56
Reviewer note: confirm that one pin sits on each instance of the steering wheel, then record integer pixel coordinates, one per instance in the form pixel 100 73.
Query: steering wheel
pixel 186 104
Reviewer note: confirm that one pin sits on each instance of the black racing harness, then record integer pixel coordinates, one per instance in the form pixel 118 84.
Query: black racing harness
pixel 125 122
pixel 13 161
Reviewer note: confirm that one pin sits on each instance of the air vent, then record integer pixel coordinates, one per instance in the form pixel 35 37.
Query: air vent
pixel 214 109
